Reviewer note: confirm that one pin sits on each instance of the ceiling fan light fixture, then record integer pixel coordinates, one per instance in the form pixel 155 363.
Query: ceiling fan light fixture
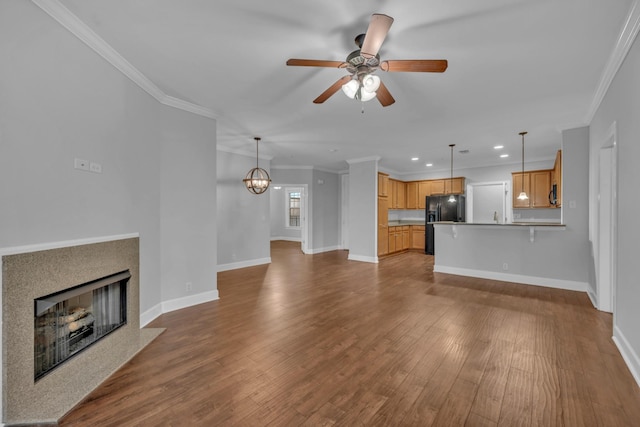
pixel 351 88
pixel 364 95
pixel 371 83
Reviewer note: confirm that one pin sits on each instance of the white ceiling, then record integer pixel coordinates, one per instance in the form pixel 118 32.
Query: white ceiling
pixel 513 65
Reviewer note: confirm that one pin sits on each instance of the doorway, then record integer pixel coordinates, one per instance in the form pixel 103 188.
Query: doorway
pixel 607 222
pixel 487 202
pixel 289 214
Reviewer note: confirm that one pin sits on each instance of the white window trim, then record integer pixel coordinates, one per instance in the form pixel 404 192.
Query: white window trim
pixel 287 192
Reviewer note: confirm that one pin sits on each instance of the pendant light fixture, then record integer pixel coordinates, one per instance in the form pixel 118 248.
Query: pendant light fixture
pixel 257 179
pixel 452 199
pixel 523 194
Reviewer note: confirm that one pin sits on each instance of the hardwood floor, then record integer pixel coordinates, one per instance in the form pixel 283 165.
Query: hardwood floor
pixel 315 340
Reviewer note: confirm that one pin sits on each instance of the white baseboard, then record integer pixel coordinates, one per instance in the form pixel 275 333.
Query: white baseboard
pixel 362 258
pixel 243 264
pixel 320 250
pixel 628 354
pixel 592 297
pixel 176 304
pixel 569 285
pixel 150 315
pixel 288 239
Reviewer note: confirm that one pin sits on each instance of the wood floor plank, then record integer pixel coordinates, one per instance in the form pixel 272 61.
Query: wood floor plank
pixel 314 340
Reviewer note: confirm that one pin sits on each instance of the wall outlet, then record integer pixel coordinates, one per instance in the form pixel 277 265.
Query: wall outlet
pixel 81 164
pixel 95 167
pixel 505 266
pixel 188 286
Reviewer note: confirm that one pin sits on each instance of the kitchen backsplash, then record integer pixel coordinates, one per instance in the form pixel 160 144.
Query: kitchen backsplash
pixel 406 215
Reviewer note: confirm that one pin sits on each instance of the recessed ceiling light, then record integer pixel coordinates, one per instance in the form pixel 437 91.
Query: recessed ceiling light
pixel 498 147
pixel 333 150
pixel 415 159
pixel 429 165
pixel 504 155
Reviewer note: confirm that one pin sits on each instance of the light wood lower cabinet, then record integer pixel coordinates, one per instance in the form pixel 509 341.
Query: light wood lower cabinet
pixel 404 237
pixel 417 237
pixel 383 226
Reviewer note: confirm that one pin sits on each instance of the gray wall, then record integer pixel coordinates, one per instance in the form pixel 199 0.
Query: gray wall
pixel 621 104
pixel 326 211
pixel 59 100
pixel 243 217
pixel 363 216
pixel 323 202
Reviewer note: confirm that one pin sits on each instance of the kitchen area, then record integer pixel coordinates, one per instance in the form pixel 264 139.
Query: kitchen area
pixel 542 240
pixel 408 211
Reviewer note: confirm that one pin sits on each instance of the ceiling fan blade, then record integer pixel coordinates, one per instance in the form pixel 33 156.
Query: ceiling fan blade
pixel 332 89
pixel 376 33
pixel 415 65
pixel 384 96
pixel 316 63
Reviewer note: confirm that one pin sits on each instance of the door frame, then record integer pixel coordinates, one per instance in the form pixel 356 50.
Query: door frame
pixel 506 201
pixel 607 201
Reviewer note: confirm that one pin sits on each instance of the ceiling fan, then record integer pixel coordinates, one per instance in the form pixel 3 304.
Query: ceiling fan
pixel 362 83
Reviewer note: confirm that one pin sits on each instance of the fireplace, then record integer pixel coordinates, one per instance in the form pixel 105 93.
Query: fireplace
pixel 69 321
pixel 35 283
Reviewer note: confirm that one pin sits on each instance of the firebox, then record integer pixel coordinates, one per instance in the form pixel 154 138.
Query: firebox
pixel 67 322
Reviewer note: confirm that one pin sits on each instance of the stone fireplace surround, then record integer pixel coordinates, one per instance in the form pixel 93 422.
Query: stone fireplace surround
pixel 28 275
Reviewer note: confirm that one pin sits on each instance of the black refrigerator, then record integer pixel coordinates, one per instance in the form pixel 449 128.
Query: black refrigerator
pixel 441 208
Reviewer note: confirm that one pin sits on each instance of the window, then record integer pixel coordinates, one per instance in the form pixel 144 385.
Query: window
pixel 293 208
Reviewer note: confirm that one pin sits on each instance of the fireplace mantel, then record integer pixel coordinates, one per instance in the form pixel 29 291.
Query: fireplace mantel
pixel 28 275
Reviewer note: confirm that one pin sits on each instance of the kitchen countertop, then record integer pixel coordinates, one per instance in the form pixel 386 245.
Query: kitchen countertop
pixel 514 224
pixel 405 222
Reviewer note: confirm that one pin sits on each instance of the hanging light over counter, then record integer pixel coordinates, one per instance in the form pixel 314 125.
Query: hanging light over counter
pixel 257 180
pixel 523 194
pixel 452 199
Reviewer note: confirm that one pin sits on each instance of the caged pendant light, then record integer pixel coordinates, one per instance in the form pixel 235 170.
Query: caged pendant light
pixel 451 199
pixel 257 180
pixel 523 194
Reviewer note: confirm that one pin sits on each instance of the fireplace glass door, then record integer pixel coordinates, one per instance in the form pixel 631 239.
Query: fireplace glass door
pixel 67 322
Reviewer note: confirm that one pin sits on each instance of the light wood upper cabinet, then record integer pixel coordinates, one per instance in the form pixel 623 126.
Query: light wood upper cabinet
pixel 437 187
pixel 401 195
pixel 517 187
pixel 397 194
pixel 412 195
pixel 537 185
pixel 454 186
pixel 383 184
pixel 540 188
pixel 424 190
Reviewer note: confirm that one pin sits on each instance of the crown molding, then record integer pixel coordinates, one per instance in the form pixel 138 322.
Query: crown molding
pixel 623 44
pixel 364 159
pixel 305 167
pixel 78 28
